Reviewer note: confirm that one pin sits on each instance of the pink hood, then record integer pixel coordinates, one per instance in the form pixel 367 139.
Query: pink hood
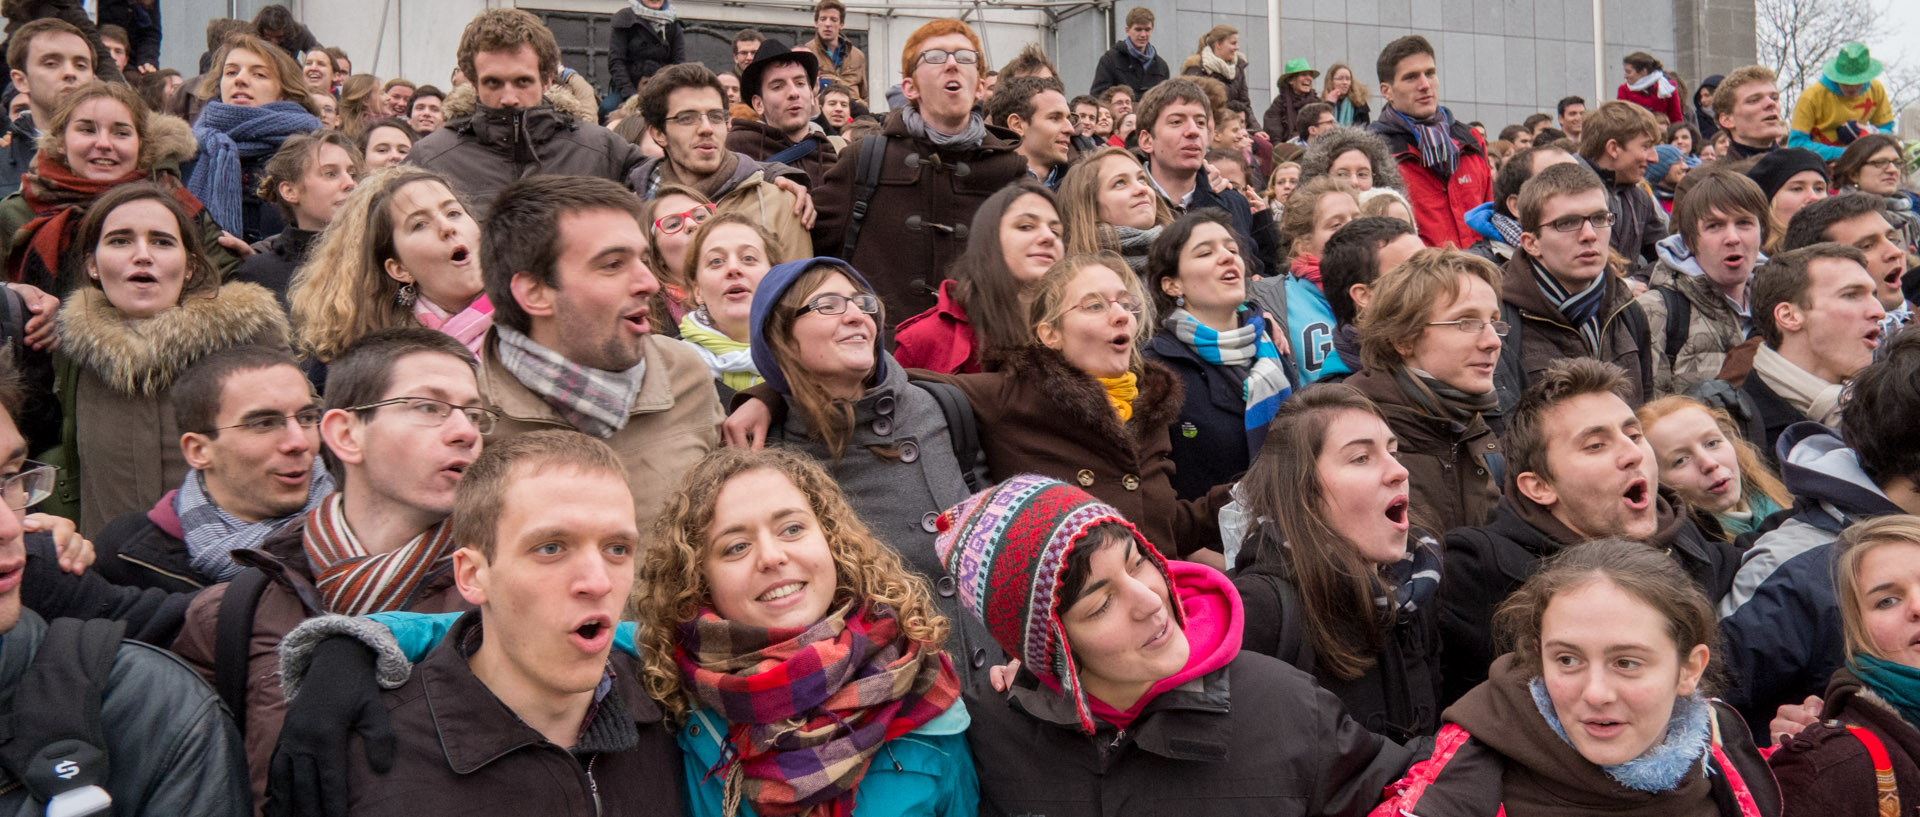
pixel 1213 620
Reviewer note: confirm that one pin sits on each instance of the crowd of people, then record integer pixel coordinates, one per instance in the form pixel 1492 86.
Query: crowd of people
pixel 766 442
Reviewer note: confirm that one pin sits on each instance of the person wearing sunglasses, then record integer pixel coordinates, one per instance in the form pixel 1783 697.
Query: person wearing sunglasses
pixel 403 419
pixel 941 163
pixel 251 437
pixel 1559 296
pixel 685 109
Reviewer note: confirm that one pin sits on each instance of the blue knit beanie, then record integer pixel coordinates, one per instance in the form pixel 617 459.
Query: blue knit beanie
pixel 1669 155
pixel 773 286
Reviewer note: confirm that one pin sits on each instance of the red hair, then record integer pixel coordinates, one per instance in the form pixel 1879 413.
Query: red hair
pixel 910 55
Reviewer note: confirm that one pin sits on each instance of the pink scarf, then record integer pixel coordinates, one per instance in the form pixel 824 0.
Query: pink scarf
pixel 468 327
pixel 1306 266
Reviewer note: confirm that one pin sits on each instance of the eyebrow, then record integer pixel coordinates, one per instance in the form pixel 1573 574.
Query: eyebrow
pixel 611 253
pixel 1881 587
pixel 1614 649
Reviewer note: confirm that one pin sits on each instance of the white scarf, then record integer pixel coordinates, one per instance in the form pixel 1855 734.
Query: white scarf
pixel 1810 395
pixel 1213 63
pixel 1665 90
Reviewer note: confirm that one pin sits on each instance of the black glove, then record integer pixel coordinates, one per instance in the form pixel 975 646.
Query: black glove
pixel 340 696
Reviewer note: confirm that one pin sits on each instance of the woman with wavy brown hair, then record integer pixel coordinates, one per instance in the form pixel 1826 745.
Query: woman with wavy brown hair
pixel 781 635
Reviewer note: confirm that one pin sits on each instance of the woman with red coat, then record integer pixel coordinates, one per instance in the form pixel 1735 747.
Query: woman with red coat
pixel 1649 87
pixel 982 308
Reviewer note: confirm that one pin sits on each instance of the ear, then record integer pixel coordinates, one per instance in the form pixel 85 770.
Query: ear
pixel 470 575
pixel 1692 670
pixel 1536 488
pixel 397 272
pixel 341 431
pixel 1513 203
pixel 909 89
pixel 1787 317
pixel 758 106
pixel 19 78
pixel 1385 89
pixel 1171 286
pixel 658 136
pixel 1614 149
pixel 1017 124
pixel 534 298
pixel 1530 243
pixel 1361 294
pixel 289 192
pixel 93 268
pixel 1048 336
pixel 1721 119
pixel 193 448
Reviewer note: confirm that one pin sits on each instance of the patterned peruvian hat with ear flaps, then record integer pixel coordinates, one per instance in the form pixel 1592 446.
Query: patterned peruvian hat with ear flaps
pixel 1006 549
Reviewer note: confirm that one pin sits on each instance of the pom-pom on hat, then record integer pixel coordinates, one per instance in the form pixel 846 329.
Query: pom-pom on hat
pixel 1006 549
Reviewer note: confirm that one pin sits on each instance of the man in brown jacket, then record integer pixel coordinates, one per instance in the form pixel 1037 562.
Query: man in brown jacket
pixel 839 58
pixel 779 84
pixel 403 422
pixel 572 344
pixel 942 161
pixel 522 709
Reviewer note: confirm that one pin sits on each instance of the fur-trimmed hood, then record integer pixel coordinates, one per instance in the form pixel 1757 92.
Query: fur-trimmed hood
pixel 463 101
pixel 144 356
pixel 1079 396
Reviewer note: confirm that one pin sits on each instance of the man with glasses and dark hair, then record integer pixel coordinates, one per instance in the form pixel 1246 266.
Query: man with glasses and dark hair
pixel 685 109
pixel 905 218
pixel 252 442
pixel 403 420
pixel 1556 291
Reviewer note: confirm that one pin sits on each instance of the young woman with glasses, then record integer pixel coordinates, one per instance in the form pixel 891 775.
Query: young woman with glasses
pixel 673 216
pixel 1876 164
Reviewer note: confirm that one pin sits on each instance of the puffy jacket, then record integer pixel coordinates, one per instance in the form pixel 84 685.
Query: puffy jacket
pixel 170 746
pixel 1713 325
pixel 1440 204
pixel 484 151
pixel 1540 334
pixel 635 50
pixel 1484 565
pixel 1780 624
pixel 1118 67
pixel 1827 769
pixel 1638 220
pixel 927 772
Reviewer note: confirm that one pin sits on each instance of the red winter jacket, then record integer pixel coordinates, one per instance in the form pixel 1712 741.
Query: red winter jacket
pixel 1668 107
pixel 1440 204
pixel 939 339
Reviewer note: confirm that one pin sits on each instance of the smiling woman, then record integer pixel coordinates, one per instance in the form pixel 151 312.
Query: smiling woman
pixel 257 99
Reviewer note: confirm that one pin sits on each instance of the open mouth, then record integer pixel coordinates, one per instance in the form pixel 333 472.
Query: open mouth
pixel 456 469
pixel 460 255
pixel 142 276
pixel 1872 338
pixel 594 634
pixel 1638 495
pixel 1121 342
pixel 637 321
pixel 1397 512
pixel 860 337
pixel 1603 729
pixel 781 591
pixel 292 477
pixel 953 86
pixel 1721 486
pixel 1733 261
pixel 738 291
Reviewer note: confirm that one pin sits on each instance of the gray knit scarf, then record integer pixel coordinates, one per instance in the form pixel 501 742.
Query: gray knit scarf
pixel 1134 243
pixel 1437 398
pixel 593 401
pixel 212 535
pixel 969 137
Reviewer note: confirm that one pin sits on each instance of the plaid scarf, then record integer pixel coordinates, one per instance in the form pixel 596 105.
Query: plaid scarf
pixel 59 199
pixel 1433 135
pixel 354 582
pixel 1411 581
pixel 810 707
pixel 1250 350
pixel 1582 308
pixel 212 534
pixel 593 401
pixel 1509 229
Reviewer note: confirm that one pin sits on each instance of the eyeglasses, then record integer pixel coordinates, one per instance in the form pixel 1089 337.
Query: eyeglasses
pixel 273 423
pixel 834 303
pixel 688 119
pixel 427 412
pixel 675 222
pixel 1883 164
pixel 1472 326
pixel 935 56
pixel 29 487
pixel 1570 224
pixel 1097 305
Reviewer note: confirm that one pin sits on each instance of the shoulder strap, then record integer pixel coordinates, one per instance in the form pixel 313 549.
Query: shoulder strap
pixel 55 742
pixel 1742 795
pixel 1509 379
pixel 15 319
pixel 1883 782
pixel 963 428
pixel 797 151
pixel 866 182
pixel 233 641
pixel 1404 794
pixel 1679 319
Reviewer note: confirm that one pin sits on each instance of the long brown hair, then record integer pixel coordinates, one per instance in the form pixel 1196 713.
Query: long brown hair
pixel 287 77
pixel 983 285
pixel 675 587
pixel 829 418
pixel 1336 584
pixel 1079 204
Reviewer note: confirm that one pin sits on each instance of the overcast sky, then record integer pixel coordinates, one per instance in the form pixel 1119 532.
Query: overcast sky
pixel 1903 19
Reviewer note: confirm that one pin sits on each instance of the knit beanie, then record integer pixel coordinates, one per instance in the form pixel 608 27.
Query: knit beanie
pixel 767 295
pixel 1669 155
pixel 1775 168
pixel 1006 549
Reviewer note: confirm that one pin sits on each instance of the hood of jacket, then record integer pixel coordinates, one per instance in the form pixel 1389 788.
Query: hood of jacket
pixel 464 101
pixel 1080 397
pixel 772 287
pixel 1817 466
pixel 144 356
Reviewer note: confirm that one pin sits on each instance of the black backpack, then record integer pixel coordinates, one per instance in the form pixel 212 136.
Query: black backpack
pixel 866 182
pixel 54 742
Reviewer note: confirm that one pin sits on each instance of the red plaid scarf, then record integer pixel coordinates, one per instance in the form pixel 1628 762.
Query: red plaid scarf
pixel 59 198
pixel 353 582
pixel 810 706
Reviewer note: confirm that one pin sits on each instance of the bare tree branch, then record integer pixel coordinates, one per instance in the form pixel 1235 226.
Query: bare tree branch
pixel 1798 37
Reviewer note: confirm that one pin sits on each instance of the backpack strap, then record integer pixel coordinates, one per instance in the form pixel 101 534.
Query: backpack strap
pixel 866 182
pixel 963 428
pixel 1404 794
pixel 233 641
pixel 54 742
pixel 1509 375
pixel 1742 795
pixel 1679 320
pixel 1883 782
pixel 795 152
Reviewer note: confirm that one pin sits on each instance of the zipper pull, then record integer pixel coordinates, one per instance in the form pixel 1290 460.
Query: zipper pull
pixel 594 785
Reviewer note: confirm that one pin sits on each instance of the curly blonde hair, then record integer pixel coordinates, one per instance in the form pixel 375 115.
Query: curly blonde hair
pixel 343 291
pixel 676 586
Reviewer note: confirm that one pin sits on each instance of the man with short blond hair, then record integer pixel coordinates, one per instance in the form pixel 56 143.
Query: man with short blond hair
pixel 1747 106
pixel 839 58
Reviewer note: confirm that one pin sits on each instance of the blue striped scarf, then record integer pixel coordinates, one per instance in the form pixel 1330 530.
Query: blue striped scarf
pixel 1250 348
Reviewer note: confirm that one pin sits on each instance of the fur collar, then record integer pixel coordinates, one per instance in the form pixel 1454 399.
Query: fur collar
pixel 1083 401
pixel 463 101
pixel 144 356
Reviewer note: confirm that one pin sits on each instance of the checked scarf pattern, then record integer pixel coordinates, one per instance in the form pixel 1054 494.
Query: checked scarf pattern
pixel 591 400
pixel 810 706
pixel 354 582
pixel 1249 349
pixel 1411 581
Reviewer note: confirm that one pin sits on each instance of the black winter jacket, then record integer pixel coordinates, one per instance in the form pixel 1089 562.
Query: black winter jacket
pixel 133 551
pixel 635 51
pixel 18 157
pixel 1210 445
pixel 1255 738
pixel 276 259
pixel 1230 201
pixel 153 616
pixel 172 749
pixel 142 25
pixel 1118 67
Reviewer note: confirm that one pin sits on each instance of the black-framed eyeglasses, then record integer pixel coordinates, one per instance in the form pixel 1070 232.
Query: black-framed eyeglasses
pixel 688 119
pixel 265 424
pixel 1572 224
pixel 1472 326
pixel 834 303
pixel 32 485
pixel 936 56
pixel 427 412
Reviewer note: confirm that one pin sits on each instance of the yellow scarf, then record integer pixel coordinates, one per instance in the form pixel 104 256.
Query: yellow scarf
pixel 1120 392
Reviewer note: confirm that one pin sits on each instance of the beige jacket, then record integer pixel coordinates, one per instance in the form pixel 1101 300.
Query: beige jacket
pixel 852 70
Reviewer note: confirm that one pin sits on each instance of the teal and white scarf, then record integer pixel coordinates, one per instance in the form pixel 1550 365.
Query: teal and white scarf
pixel 1249 348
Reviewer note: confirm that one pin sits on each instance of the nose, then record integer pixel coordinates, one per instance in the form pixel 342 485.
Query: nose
pixel 643 283
pixel 1632 456
pixel 11 532
pixel 1596 689
pixel 769 554
pixel 294 439
pixel 458 430
pixel 1588 231
pixel 593 579
pixel 1396 472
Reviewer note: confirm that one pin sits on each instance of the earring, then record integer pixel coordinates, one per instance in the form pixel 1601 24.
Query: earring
pixel 406 296
pixel 1179 300
pixel 706 316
